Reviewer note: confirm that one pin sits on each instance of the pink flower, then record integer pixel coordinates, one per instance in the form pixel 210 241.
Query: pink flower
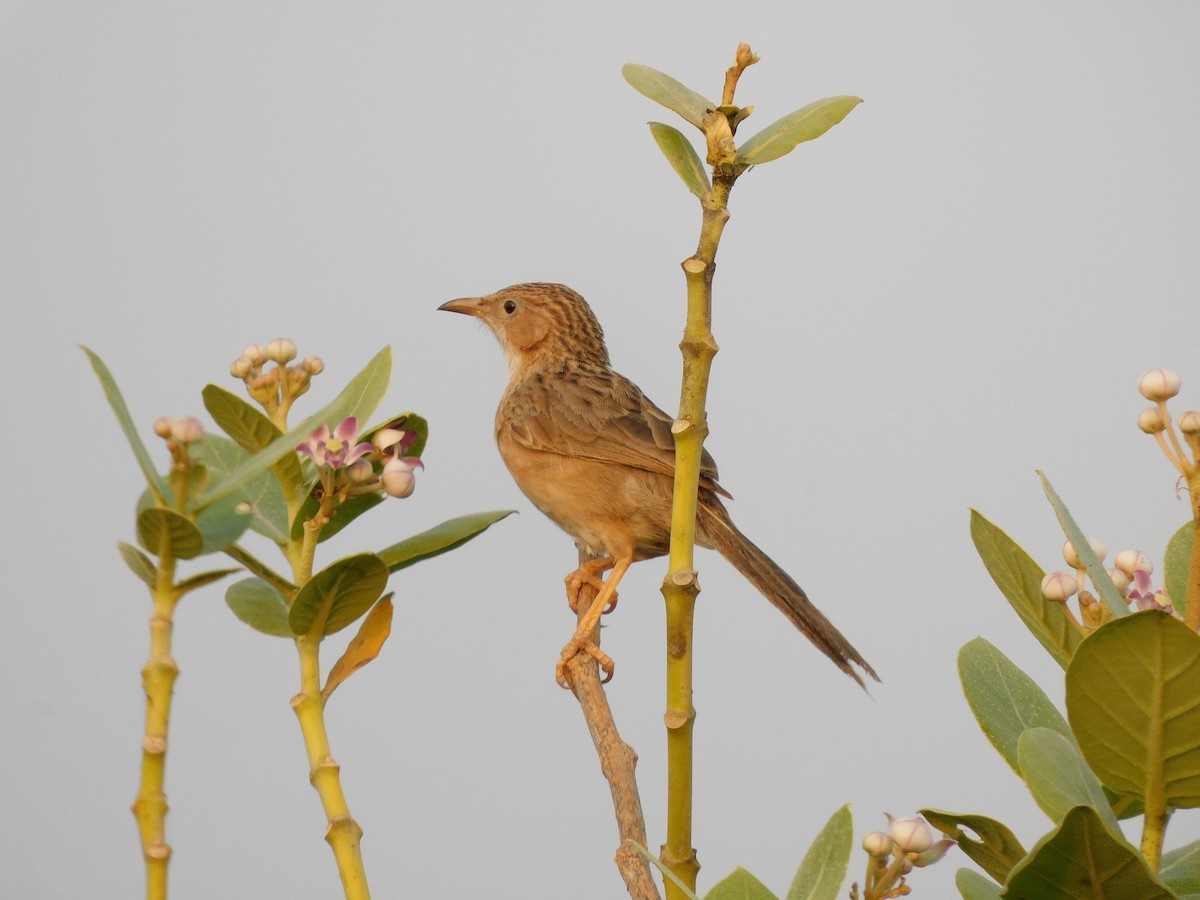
pixel 335 450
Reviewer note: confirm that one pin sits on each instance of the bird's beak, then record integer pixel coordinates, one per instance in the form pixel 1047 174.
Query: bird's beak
pixel 469 306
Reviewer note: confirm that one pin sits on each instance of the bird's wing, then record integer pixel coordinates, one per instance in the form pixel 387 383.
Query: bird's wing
pixel 596 414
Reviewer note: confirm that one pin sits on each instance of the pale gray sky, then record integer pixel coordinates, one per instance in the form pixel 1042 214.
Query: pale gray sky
pixel 959 284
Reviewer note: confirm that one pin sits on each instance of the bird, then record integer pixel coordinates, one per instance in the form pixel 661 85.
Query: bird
pixel 591 451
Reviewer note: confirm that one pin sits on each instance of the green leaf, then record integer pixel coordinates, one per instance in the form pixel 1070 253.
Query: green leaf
pixel 338 595
pixel 1082 858
pixel 994 848
pixel 1005 701
pixel 1177 562
pixel 1132 699
pixel 113 394
pixel 204 578
pixel 359 398
pixel 184 540
pixel 139 564
pixel 250 429
pixel 683 158
pixel 1101 580
pixel 1058 777
pixel 1019 579
pixel 667 91
pixel 809 122
pixel 740 885
pixel 1180 869
pixel 973 886
pixel 260 606
pixel 220 525
pixel 824 866
pixel 450 534
pixel 268 514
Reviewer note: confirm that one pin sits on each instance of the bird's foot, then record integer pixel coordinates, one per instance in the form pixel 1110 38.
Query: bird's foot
pixel 588 575
pixel 574 647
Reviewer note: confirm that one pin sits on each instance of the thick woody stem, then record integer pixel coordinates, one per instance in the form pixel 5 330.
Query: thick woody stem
pixel 617 760
pixel 681 586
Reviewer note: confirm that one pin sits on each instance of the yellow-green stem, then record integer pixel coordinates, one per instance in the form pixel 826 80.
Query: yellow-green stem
pixel 681 587
pixel 158 681
pixel 1193 586
pixel 1153 832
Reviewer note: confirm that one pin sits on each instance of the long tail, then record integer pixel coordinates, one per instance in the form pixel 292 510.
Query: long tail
pixel 777 586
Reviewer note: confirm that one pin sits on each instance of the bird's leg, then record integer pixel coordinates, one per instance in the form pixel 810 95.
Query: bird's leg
pixel 582 639
pixel 588 574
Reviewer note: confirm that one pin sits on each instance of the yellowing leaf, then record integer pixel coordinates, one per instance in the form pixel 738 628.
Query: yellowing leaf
pixel 365 647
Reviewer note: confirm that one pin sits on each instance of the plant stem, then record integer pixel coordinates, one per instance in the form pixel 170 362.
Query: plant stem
pixel 681 587
pixel 324 772
pixel 158 681
pixel 1153 831
pixel 1193 587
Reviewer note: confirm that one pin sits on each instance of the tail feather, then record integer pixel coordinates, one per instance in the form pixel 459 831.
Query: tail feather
pixel 778 587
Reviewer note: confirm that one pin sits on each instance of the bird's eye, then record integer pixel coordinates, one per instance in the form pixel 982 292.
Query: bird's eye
pixel 510 306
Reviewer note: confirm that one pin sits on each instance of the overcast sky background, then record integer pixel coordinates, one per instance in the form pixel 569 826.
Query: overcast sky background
pixel 960 283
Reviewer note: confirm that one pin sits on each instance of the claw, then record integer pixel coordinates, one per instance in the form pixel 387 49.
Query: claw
pixel 575 646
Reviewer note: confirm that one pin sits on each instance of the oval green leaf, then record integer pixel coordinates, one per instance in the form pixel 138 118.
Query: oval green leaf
pixel 1132 694
pixel 1177 562
pixel 740 885
pixel 1099 576
pixel 338 595
pixel 824 866
pixel 665 90
pixel 439 539
pixel 683 158
pixel 260 606
pixel 139 563
pixel 1058 778
pixel 994 848
pixel 1082 858
pixel 973 886
pixel 268 509
pixel 1181 868
pixel 809 122
pixel 183 540
pixel 250 429
pixel 202 579
pixel 359 398
pixel 1019 579
pixel 1005 701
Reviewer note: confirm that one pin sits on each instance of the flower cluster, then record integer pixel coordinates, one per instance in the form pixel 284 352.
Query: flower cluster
pixel 275 387
pixel 1159 386
pixel 907 844
pixel 1130 573
pixel 178 433
pixel 347 467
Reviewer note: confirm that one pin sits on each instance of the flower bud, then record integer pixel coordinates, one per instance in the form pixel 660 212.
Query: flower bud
pixel 312 365
pixel 1151 420
pixel 360 471
pixel 1072 557
pixel 254 353
pixel 187 430
pixel 1189 422
pixel 162 427
pixel 1158 385
pixel 281 350
pixel 912 834
pixel 1058 586
pixel 1119 578
pixel 1130 561
pixel 933 854
pixel 387 437
pixel 398 477
pixel 241 367
pixel 877 844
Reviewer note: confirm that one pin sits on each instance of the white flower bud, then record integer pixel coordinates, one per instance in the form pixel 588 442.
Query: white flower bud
pixel 162 427
pixel 1189 422
pixel 1119 578
pixel 254 353
pixel 360 471
pixel 1151 420
pixel 312 365
pixel 397 478
pixel 1058 586
pixel 1159 384
pixel 281 350
pixel 1072 557
pixel 1130 561
pixel 912 834
pixel 187 430
pixel 241 367
pixel 877 844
